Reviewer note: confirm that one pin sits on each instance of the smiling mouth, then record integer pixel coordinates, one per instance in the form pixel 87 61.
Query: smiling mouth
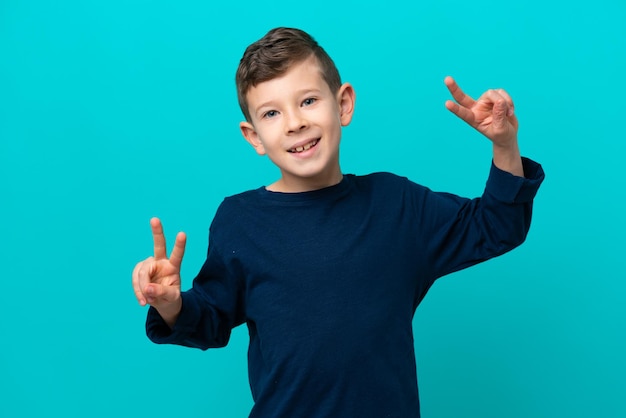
pixel 304 147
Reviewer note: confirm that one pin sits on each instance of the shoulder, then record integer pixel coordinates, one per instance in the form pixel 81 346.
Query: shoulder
pixel 385 183
pixel 377 179
pixel 235 207
pixel 242 198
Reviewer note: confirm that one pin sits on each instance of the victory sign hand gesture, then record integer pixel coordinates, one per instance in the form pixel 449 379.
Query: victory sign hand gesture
pixel 493 115
pixel 156 280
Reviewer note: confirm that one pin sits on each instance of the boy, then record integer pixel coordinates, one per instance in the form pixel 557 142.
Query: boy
pixel 327 269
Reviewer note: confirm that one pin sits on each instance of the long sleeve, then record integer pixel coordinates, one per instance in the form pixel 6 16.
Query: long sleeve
pixel 328 282
pixel 210 309
pixel 462 232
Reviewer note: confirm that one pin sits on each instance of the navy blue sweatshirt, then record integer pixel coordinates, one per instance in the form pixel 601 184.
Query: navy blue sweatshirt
pixel 328 282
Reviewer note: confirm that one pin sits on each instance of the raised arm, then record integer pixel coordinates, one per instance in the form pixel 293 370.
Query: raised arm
pixel 493 115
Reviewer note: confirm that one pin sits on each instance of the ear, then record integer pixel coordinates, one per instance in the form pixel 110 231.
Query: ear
pixel 346 99
pixel 250 134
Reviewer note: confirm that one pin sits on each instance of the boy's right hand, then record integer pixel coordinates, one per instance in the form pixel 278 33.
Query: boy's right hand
pixel 156 280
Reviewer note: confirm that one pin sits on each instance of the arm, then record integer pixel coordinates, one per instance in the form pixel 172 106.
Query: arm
pixel 468 231
pixel 493 115
pixel 201 317
pixel 463 232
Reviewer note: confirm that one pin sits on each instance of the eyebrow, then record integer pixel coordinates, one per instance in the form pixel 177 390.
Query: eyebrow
pixel 263 105
pixel 302 92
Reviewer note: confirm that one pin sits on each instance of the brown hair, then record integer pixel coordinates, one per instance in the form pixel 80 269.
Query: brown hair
pixel 273 55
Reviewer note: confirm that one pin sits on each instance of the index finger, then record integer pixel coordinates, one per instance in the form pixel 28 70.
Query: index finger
pixel 158 238
pixel 458 94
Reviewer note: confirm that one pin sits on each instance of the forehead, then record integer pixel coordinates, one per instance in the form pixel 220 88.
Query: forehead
pixel 301 76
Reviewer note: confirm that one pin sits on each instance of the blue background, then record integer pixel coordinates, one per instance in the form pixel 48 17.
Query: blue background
pixel 113 112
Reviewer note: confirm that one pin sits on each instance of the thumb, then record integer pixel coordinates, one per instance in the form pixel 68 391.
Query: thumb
pixel 499 112
pixel 159 295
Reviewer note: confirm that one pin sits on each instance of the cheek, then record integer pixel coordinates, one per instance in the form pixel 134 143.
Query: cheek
pixel 270 139
pixel 334 124
pixel 331 119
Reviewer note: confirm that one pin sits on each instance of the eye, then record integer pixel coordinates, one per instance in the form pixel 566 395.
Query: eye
pixel 270 114
pixel 309 101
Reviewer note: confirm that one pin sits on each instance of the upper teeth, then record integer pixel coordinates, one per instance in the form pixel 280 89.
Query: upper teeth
pixel 304 147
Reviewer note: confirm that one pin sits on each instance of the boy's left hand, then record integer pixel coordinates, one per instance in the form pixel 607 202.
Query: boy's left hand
pixel 492 114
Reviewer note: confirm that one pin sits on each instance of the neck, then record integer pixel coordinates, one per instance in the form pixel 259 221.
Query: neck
pixel 299 185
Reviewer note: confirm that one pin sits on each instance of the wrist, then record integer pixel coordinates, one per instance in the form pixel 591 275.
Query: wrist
pixel 170 312
pixel 507 157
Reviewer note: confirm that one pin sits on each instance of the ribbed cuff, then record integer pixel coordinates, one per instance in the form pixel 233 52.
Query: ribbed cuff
pixel 508 188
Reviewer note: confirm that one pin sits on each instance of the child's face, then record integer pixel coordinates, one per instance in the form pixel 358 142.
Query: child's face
pixel 296 121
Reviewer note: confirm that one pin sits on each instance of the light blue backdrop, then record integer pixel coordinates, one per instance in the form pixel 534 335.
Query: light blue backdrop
pixel 113 112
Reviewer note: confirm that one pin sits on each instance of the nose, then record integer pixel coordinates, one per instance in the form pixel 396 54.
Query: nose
pixel 295 122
